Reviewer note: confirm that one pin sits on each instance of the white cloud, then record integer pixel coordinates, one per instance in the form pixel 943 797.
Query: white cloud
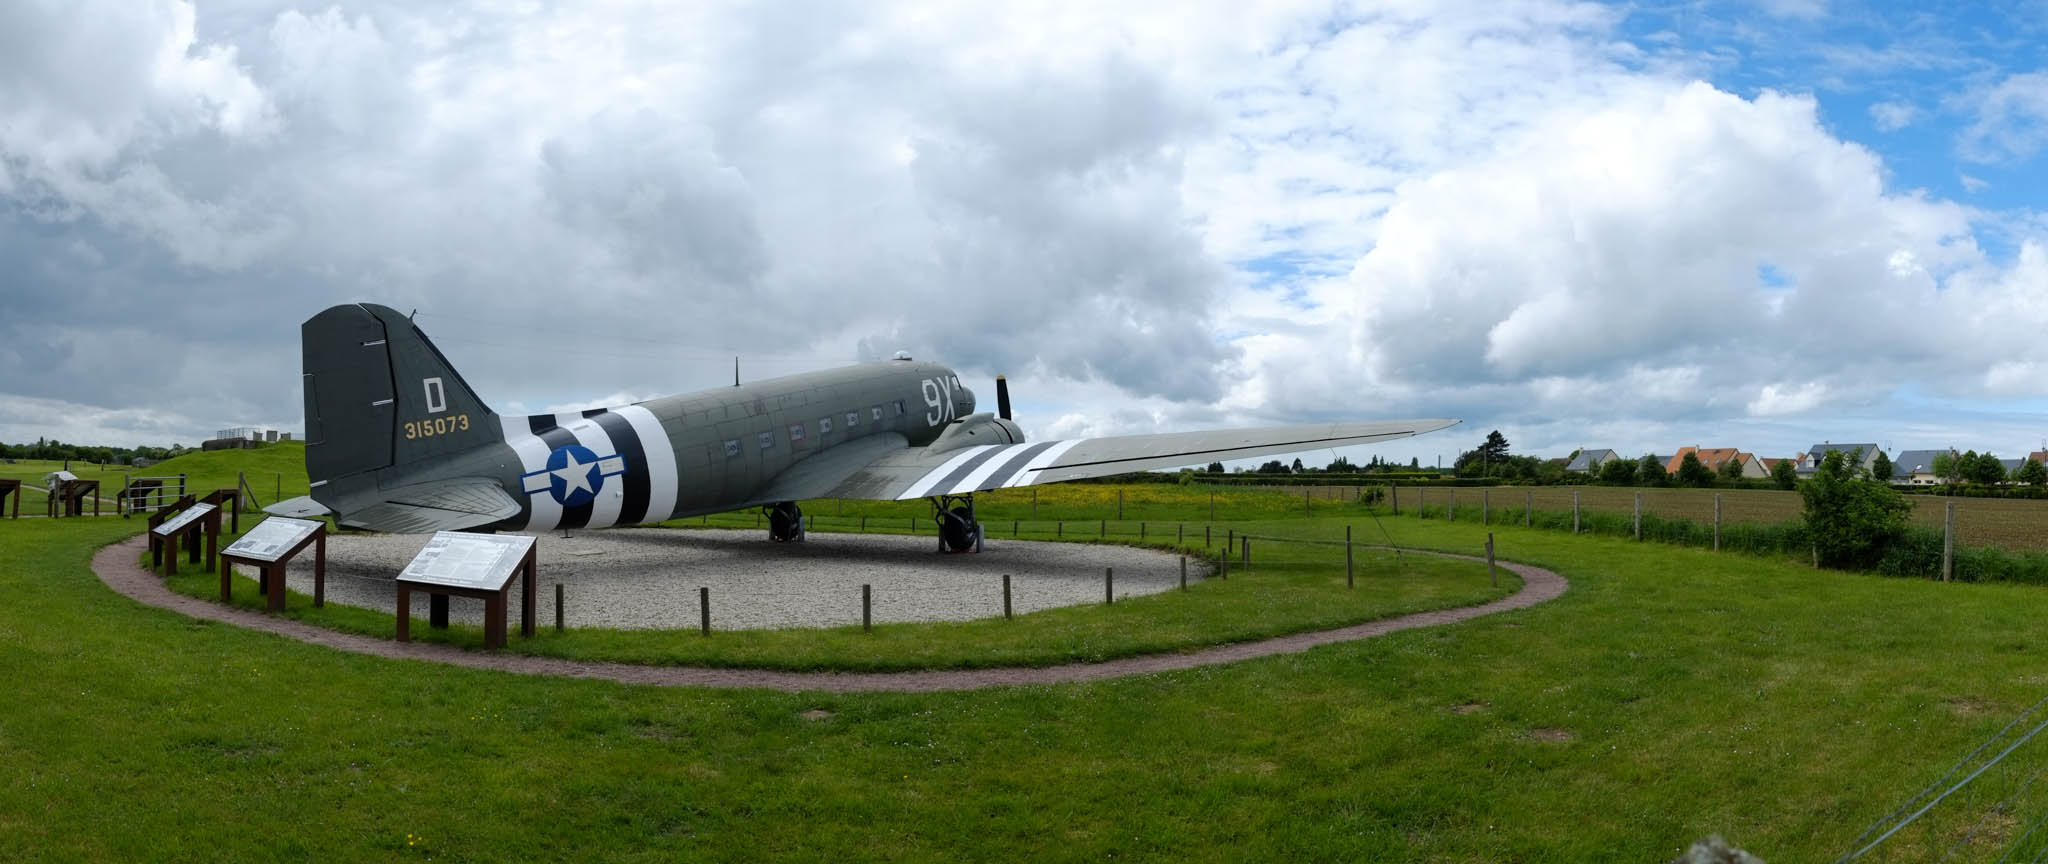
pixel 2009 119
pixel 1973 184
pixel 1893 116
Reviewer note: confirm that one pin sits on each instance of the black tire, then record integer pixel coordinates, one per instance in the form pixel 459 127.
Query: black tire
pixel 956 529
pixel 785 522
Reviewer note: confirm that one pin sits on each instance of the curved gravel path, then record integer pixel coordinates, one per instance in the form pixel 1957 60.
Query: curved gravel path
pixel 647 578
pixel 118 565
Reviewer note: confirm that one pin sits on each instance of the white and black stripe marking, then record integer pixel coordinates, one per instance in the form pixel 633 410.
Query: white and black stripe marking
pixel 988 466
pixel 645 491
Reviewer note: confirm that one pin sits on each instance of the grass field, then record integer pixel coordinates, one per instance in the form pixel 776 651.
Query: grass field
pixel 276 467
pixel 1670 694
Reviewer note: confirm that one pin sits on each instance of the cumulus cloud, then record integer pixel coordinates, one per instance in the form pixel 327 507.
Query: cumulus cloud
pixel 1149 217
pixel 2009 119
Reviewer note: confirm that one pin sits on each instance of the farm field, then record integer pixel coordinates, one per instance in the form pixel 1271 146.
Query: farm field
pixel 1671 693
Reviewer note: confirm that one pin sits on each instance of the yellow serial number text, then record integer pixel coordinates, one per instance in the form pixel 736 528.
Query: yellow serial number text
pixel 436 426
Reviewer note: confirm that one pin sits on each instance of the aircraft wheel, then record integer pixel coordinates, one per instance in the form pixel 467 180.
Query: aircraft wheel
pixel 957 530
pixel 785 522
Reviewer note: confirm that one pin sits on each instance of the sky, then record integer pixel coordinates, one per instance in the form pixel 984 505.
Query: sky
pixel 1633 226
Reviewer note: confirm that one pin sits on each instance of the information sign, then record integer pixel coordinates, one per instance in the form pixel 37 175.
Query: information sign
pixel 272 538
pixel 182 521
pixel 482 562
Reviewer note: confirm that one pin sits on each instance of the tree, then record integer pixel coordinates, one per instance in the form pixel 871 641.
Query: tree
pixel 1495 449
pixel 1297 466
pixel 1650 472
pixel 1214 468
pixel 1731 470
pixel 1693 472
pixel 1784 475
pixel 1620 472
pixel 1273 466
pixel 1341 465
pixel 1881 468
pixel 1948 466
pixel 1851 517
pixel 2031 472
pixel 1982 468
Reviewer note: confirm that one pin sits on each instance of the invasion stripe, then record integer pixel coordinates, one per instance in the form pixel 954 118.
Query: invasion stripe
pixel 1042 461
pixel 1012 465
pixel 633 510
pixel 663 480
pixel 931 478
pixel 539 423
pixel 952 481
pixel 539 512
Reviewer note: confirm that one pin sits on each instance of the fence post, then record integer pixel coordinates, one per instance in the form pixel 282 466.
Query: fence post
pixel 1059 529
pixel 1394 497
pixel 1528 507
pixel 1207 537
pixel 1486 506
pixel 1180 533
pixel 1183 572
pixel 1304 500
pixel 1034 504
pixel 1717 521
pixel 1223 565
pixel 1103 526
pixel 1230 541
pixel 1575 511
pixel 1245 549
pixel 1348 581
pixel 704 610
pixel 1119 505
pixel 1948 542
pixel 1212 506
pixel 1006 596
pixel 1141 530
pixel 1451 504
pixel 1108 586
pixel 863 524
pixel 867 609
pixel 1490 572
pixel 1013 528
pixel 558 607
pixel 1639 517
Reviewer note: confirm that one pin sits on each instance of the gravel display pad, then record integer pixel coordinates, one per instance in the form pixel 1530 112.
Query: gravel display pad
pixel 647 578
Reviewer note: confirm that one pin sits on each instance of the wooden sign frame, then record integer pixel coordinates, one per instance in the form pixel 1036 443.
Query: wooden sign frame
pixel 495 601
pixel 270 574
pixel 167 548
pixel 10 486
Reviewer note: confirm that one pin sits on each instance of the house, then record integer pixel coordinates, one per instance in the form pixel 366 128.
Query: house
pixel 1714 457
pixel 1916 467
pixel 1589 461
pixel 1809 461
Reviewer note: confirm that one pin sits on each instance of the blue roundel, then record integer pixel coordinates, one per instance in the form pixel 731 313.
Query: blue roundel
pixel 573 475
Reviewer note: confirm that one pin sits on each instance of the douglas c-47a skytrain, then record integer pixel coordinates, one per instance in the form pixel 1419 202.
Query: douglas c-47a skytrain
pixel 396 441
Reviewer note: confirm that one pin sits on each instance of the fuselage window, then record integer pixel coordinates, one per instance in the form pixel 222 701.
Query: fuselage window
pixel 852 419
pixel 767 440
pixel 899 407
pixel 877 413
pixel 796 432
pixel 732 447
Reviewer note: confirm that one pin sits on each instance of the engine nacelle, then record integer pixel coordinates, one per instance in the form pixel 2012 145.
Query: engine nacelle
pixel 973 429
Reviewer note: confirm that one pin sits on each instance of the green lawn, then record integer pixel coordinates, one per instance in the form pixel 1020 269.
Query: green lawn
pixel 1670 694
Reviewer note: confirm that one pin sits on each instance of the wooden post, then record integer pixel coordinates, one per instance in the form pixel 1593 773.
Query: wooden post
pixel 867 608
pixel 1348 581
pixel 1223 565
pixel 1206 542
pixel 1230 541
pixel 558 607
pixel 704 610
pixel 1034 504
pixel 1119 505
pixel 1102 527
pixel 1183 572
pixel 1948 542
pixel 1717 521
pixel 1245 549
pixel 1180 537
pixel 1212 506
pixel 1451 505
pixel 1528 507
pixel 1006 596
pixel 1422 502
pixel 1639 517
pixel 1108 585
pixel 1394 497
pixel 863 524
pixel 1304 501
pixel 1486 506
pixel 1490 572
pixel 1013 528
pixel 1575 511
pixel 1141 530
pixel 1059 529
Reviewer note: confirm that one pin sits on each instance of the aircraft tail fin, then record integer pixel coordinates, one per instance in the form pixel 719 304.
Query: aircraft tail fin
pixel 379 394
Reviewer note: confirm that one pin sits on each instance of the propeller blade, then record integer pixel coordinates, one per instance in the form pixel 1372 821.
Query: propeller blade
pixel 1002 397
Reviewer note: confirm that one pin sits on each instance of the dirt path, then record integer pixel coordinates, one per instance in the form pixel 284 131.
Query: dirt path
pixel 117 565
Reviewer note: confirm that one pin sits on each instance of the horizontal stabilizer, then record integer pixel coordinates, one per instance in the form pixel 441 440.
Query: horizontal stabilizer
pixel 442 505
pixel 302 507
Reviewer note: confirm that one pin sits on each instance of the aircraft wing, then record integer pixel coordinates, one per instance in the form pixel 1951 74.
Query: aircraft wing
pixel 915 472
pixel 421 508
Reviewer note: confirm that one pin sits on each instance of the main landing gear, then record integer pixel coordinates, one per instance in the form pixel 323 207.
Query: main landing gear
pixel 785 522
pixel 959 531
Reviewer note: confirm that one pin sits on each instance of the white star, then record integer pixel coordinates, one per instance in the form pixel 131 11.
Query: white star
pixel 575 475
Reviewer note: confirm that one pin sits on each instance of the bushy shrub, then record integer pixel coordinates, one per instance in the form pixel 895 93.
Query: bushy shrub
pixel 1850 518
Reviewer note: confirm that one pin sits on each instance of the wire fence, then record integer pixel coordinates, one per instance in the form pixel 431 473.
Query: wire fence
pixel 1990 806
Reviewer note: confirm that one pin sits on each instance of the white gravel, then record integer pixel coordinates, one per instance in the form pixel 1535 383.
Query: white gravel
pixel 647 578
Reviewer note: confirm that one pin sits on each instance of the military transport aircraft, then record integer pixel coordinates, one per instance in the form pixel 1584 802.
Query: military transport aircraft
pixel 397 442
